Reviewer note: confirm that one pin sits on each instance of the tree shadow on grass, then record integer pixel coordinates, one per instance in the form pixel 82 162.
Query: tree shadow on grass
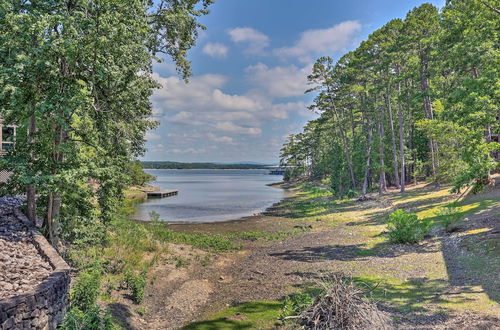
pixel 251 315
pixel 351 252
pixel 415 294
pixel 473 258
pixel 121 314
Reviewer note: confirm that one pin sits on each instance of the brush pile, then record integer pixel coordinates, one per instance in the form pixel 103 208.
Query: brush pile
pixel 343 306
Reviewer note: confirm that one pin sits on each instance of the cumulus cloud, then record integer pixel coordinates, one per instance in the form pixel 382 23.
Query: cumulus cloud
pixel 187 151
pixel 324 41
pixel 150 136
pixel 280 81
pixel 256 40
pixel 221 139
pixel 214 114
pixel 216 50
pixel 233 128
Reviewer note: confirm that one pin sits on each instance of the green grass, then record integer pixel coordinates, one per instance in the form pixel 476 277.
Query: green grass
pixel 262 314
pixel 266 236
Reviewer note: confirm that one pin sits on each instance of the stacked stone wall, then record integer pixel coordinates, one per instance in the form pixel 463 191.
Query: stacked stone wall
pixel 43 306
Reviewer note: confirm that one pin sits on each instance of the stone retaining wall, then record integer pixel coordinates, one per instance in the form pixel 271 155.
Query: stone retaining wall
pixel 44 307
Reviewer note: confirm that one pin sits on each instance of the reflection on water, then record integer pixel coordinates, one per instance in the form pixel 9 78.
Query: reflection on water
pixel 211 195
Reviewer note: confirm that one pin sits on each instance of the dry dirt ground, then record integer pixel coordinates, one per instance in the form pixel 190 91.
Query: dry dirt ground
pixel 447 281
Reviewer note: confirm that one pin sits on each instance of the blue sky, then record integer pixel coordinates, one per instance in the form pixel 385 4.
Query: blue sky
pixel 249 75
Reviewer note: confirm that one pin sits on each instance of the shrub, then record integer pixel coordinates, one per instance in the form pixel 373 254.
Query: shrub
pixel 406 228
pixel 295 304
pixel 86 289
pixel 93 319
pixel 450 215
pixel 351 194
pixel 137 284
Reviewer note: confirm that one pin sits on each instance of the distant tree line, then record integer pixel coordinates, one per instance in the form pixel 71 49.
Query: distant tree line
pixel 192 166
pixel 418 100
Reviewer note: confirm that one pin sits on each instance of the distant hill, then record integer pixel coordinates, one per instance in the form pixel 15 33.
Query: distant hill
pixel 193 166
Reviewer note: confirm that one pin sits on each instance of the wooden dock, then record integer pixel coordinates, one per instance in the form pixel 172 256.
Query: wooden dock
pixel 162 193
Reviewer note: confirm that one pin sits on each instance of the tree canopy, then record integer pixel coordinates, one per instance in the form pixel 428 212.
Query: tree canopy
pixel 419 98
pixel 76 78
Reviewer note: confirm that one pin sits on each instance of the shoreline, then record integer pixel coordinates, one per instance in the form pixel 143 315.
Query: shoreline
pixel 256 216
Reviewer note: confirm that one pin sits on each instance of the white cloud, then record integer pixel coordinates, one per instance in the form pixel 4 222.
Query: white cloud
pixel 235 102
pixel 233 128
pixel 202 102
pixel 150 136
pixel 280 81
pixel 257 41
pixel 200 115
pixel 221 139
pixel 216 50
pixel 187 151
pixel 324 41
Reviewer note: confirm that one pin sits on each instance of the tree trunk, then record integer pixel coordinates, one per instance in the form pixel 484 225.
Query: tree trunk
pixel 54 205
pixel 30 189
pixel 346 148
pixel 401 139
pixel 393 140
pixel 368 162
pixel 49 219
pixel 382 179
pixel 424 87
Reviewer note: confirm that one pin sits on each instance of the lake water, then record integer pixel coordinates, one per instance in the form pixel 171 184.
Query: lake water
pixel 211 195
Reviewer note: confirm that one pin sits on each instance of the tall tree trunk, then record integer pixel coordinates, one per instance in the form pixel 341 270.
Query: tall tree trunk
pixel 368 162
pixel 346 147
pixel 30 189
pixel 424 87
pixel 411 132
pixel 54 204
pixel 401 139
pixel 393 140
pixel 49 218
pixel 382 179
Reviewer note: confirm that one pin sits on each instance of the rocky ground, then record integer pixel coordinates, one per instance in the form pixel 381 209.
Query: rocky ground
pixel 21 266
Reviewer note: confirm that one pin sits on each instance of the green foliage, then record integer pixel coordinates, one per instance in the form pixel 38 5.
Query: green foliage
pixel 86 289
pixel 216 243
pixel 296 303
pixel 136 175
pixel 82 108
pixel 83 232
pixel 141 311
pixel 136 283
pixel 181 262
pixel 429 82
pixel 93 319
pixel 406 228
pixel 449 215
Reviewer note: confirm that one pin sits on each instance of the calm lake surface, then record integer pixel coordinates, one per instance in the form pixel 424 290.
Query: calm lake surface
pixel 211 195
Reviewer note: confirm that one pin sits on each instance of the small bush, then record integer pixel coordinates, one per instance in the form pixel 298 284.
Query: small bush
pixel 406 228
pixel 450 215
pixel 351 194
pixel 295 304
pixel 93 319
pixel 136 284
pixel 141 311
pixel 86 289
